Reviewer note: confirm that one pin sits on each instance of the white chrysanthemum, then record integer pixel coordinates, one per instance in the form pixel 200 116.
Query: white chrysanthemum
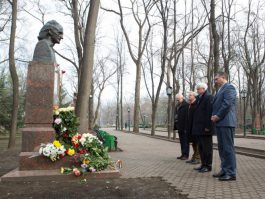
pixel 61 150
pixel 66 109
pixel 40 150
pixel 54 152
pixel 46 152
pixel 82 140
pixel 70 108
pixel 88 138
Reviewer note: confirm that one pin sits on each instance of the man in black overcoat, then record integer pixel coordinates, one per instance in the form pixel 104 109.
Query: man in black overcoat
pixel 180 124
pixel 202 127
pixel 195 159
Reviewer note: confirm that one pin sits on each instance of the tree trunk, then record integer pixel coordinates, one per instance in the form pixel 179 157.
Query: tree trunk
pixel 169 106
pixel 117 102
pixel 87 67
pixel 192 71
pixel 153 127
pixel 79 50
pixel 96 115
pixel 121 103
pixel 136 116
pixel 216 51
pixel 91 107
pixel 210 63
pixel 14 76
pixel 183 73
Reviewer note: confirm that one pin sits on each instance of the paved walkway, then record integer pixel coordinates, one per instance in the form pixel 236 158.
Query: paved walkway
pixel 146 157
pixel 240 142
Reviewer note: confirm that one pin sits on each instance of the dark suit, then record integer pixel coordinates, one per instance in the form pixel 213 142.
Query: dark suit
pixel 192 138
pixel 201 121
pixel 181 111
pixel 224 106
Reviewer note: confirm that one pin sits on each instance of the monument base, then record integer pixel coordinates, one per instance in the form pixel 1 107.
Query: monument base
pixel 33 136
pixel 35 161
pixel 55 175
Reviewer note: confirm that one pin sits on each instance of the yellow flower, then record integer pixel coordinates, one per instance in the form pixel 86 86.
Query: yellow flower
pixel 71 152
pixel 57 144
pixel 56 112
pixel 86 161
pixel 62 170
pixel 53 159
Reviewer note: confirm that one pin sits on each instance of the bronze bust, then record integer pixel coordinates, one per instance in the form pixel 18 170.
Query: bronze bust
pixel 50 34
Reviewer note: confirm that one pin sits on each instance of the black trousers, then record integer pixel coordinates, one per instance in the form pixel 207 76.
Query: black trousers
pixel 184 143
pixel 205 143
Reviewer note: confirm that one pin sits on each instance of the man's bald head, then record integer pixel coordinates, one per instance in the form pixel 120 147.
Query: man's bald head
pixel 179 98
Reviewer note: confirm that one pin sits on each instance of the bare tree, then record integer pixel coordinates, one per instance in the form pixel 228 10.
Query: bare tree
pixel 226 34
pixel 87 66
pixel 142 20
pixel 119 62
pixel 253 57
pixel 163 9
pixel 5 16
pixel 214 40
pixel 101 78
pixel 179 45
pixel 192 66
pixel 14 76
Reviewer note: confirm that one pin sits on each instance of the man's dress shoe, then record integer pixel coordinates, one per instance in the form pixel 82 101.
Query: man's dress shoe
pixel 205 169
pixel 227 178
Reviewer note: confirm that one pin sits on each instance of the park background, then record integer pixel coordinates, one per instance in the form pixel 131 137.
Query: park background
pixel 157 45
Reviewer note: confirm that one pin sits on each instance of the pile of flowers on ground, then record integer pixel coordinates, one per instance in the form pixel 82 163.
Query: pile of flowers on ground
pixel 85 149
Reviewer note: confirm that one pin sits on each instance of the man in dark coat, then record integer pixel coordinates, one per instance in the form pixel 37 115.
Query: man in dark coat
pixel 180 124
pixel 202 127
pixel 195 159
pixel 224 117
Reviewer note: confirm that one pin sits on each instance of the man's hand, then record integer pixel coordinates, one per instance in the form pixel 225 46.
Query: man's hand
pixel 215 118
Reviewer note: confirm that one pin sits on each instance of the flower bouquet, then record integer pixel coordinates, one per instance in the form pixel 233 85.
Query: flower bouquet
pixel 85 149
pixel 53 150
pixel 65 124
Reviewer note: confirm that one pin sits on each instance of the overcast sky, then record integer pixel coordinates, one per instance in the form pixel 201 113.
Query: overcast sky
pixel 108 27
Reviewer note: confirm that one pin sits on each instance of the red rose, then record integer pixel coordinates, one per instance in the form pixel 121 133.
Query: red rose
pixel 65 135
pixel 61 155
pixel 79 137
pixel 77 145
pixel 76 172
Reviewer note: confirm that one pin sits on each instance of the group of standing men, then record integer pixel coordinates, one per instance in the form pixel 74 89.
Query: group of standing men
pixel 203 116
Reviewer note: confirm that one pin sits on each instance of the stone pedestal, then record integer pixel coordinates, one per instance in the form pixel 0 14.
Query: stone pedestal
pixel 39 97
pixel 32 137
pixel 39 114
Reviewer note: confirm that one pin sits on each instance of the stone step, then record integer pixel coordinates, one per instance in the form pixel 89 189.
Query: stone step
pixel 55 175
